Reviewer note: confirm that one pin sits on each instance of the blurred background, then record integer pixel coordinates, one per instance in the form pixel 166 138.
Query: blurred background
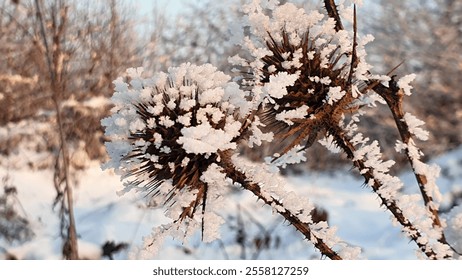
pixel 62 56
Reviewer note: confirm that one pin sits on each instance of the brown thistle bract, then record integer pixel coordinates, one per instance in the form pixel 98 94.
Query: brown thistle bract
pixel 320 116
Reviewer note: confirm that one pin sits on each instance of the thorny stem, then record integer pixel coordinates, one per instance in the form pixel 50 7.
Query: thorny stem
pixel 345 144
pixel 304 228
pixel 332 11
pixel 394 96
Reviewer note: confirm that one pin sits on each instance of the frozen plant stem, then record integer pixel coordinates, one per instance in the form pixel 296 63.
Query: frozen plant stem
pixel 344 143
pixel 302 227
pixel 71 243
pixel 394 98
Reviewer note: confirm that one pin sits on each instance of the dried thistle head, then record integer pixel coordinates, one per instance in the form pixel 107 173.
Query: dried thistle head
pixel 166 132
pixel 302 72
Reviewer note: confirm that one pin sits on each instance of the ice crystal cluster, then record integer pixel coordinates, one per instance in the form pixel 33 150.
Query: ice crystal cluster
pixel 305 78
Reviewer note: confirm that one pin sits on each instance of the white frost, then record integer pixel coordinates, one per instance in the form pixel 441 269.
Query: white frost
pixel 203 139
pixel 334 95
pixel 403 83
pixel 293 156
pixel 330 144
pixel 276 87
pixel 289 115
pixel 414 126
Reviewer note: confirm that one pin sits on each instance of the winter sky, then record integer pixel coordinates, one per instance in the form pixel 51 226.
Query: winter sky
pixel 172 6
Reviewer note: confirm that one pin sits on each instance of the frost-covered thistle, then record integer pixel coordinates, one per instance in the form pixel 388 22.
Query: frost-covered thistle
pixel 173 136
pixel 302 71
pixel 166 131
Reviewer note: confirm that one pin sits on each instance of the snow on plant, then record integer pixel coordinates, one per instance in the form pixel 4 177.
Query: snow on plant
pixel 326 77
pixel 290 205
pixel 300 69
pixel 414 126
pixel 304 77
pixel 172 137
pixel 166 131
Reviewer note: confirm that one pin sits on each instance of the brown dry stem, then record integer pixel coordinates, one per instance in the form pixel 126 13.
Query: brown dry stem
pixel 394 98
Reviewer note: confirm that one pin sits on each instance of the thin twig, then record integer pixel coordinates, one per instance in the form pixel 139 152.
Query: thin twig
pixel 354 55
pixel 71 242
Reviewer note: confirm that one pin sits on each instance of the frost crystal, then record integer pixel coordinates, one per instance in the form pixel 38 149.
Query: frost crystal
pixel 334 95
pixel 403 83
pixel 276 87
pixel 330 144
pixel 294 156
pixel 290 115
pixel 257 137
pixel 414 126
pixel 204 139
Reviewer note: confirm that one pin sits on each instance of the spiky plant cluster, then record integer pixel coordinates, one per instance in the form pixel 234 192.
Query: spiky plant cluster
pixel 166 132
pixel 302 71
pixel 310 103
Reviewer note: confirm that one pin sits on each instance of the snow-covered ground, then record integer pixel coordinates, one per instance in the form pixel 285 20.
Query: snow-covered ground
pixel 103 216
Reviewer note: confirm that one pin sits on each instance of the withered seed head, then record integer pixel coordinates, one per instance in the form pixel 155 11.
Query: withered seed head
pixel 168 130
pixel 302 70
pixel 317 76
pixel 167 160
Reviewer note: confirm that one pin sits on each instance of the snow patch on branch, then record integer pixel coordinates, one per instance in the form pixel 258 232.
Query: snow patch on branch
pixel 334 95
pixel 289 115
pixel 411 206
pixel 293 156
pixel 276 88
pixel 329 143
pixel 203 139
pixel 257 137
pixel 215 178
pixel 414 126
pixel 404 83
